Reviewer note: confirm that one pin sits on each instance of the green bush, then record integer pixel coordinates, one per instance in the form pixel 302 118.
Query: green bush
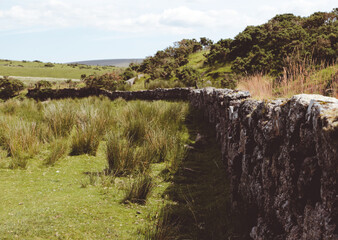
pixel 49 65
pixel 128 73
pixel 10 87
pixel 109 81
pixel 43 84
pixel 188 76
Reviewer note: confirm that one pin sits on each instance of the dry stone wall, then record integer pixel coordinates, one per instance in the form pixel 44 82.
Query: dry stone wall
pixel 281 156
pixel 282 160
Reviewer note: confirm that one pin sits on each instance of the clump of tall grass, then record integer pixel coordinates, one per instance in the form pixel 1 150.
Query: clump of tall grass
pixel 148 134
pixel 88 132
pixel 260 86
pixel 60 117
pixel 20 139
pixel 27 109
pixel 162 227
pixel 300 75
pixel 177 152
pixel 139 190
pixel 59 149
pixel 120 154
pixel 303 75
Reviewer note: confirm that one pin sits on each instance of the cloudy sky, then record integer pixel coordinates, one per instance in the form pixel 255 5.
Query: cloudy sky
pixel 71 30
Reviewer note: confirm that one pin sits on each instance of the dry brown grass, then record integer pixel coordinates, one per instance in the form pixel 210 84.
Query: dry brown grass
pixel 299 76
pixel 260 86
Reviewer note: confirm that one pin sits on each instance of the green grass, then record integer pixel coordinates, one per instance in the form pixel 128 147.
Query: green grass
pixel 200 206
pixel 38 69
pixel 211 75
pixel 56 196
pixel 41 203
pixel 196 60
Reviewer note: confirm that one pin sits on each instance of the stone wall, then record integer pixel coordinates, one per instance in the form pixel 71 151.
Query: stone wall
pixel 281 156
pixel 282 160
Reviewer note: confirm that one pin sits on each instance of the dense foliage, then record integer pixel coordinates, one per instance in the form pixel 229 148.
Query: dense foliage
pixel 264 48
pixel 109 81
pixel 10 87
pixel 165 63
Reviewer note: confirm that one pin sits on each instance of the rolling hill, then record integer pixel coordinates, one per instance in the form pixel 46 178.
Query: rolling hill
pixel 111 62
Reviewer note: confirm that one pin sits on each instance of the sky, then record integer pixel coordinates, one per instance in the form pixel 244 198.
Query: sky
pixel 73 30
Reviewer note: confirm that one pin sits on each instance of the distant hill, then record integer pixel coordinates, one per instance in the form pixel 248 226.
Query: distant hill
pixel 111 62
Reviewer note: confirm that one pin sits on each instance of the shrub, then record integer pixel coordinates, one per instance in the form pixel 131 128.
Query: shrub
pixel 108 81
pixel 188 76
pixel 10 87
pixel 49 65
pixel 43 84
pixel 139 190
pixel 128 73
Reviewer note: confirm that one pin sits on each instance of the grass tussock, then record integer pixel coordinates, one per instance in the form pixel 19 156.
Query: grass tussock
pixel 88 131
pixel 139 190
pixel 20 139
pixel 59 149
pixel 149 133
pixel 162 227
pixel 120 155
pixel 60 117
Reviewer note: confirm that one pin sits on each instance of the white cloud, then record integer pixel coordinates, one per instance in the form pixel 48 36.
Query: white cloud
pixel 185 16
pixel 104 15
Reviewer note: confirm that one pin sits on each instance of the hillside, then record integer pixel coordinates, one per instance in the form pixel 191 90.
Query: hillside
pixel 289 54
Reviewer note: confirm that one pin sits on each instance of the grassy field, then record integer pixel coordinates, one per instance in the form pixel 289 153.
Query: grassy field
pixel 55 70
pixel 61 178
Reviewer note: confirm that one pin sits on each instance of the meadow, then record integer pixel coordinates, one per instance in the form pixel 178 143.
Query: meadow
pixel 50 70
pixel 89 168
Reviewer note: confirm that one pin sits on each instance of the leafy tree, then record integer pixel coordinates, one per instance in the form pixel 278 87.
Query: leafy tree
pixel 205 42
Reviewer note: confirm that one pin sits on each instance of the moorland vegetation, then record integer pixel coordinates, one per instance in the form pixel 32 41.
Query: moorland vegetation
pixel 89 162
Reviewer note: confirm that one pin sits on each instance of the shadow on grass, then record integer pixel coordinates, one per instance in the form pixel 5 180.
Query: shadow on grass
pixel 201 192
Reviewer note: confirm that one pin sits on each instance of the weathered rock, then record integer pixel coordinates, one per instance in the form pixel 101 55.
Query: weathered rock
pixel 282 160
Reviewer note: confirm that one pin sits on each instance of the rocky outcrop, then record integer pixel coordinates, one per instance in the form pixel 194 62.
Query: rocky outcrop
pixel 281 155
